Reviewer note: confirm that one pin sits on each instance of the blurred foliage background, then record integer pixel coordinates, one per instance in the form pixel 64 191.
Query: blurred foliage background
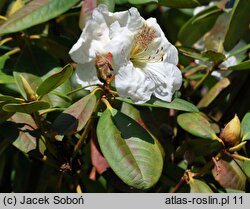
pixel 213 41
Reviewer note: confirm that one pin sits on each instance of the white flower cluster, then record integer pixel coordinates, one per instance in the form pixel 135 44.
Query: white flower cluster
pixel 142 59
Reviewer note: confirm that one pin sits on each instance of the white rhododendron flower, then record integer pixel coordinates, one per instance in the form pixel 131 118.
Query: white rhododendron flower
pixel 143 60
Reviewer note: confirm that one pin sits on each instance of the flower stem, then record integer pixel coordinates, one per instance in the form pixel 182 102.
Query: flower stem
pixel 178 185
pixel 2 42
pixel 106 102
pixel 81 88
pixel 13 51
pixel 3 18
pixel 236 156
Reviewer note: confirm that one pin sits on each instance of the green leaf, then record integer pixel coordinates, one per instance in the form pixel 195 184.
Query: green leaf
pixel 5 79
pixel 238 25
pixel 196 26
pixel 192 53
pixel 179 3
pixel 26 107
pixel 214 57
pixel 198 186
pixel 198 147
pixel 245 126
pixel 58 97
pixel 3 114
pixel 110 4
pixel 120 2
pixel 133 113
pixel 54 81
pixel 197 125
pixel 240 50
pixel 8 98
pixel 229 174
pixel 35 12
pixel 75 117
pixel 242 66
pixel 142 1
pixel 3 59
pixel 214 92
pixel 129 149
pixel 27 137
pixel 176 104
pixel 246 167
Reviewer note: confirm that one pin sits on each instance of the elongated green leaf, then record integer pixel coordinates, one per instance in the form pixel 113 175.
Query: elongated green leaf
pixel 35 12
pixel 3 59
pixel 197 125
pixel 192 53
pixel 58 97
pixel 179 3
pixel 130 151
pixel 196 27
pixel 142 1
pixel 55 80
pixel 75 117
pixel 176 104
pixel 240 50
pixel 240 15
pixel 26 107
pixel 242 66
pixel 229 174
pixel 214 92
pixel 245 126
pixel 8 98
pixel 5 79
pixel 198 186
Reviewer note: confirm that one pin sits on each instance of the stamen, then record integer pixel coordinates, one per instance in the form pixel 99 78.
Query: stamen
pixel 141 47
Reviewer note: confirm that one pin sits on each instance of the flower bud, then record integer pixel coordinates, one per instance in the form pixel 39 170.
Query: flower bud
pixel 103 67
pixel 231 134
pixel 31 95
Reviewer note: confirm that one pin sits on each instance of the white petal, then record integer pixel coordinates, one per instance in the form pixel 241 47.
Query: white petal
pixel 167 78
pixel 86 75
pixel 94 37
pixel 170 51
pixel 130 18
pixel 133 83
pixel 120 45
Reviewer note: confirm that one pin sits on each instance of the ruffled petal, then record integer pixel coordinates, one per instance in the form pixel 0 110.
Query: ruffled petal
pixel 166 77
pixel 132 83
pixel 94 37
pixel 86 75
pixel 120 45
pixel 130 18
